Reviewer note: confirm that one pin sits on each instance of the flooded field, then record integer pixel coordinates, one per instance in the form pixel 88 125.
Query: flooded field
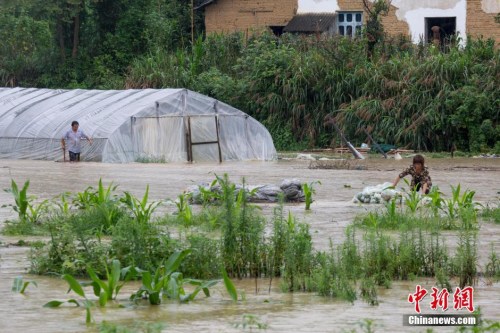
pixel 330 214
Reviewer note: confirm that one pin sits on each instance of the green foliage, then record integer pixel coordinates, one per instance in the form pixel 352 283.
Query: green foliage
pixel 29 213
pixel 288 83
pixel 19 285
pixel 109 289
pixel 492 268
pixel 229 285
pixel 242 231
pixel 465 261
pixel 168 282
pixel 140 208
pixel 491 214
pixel 297 254
pixel 103 201
pixel 184 212
pixel 76 287
pixel 145 245
pixel 309 190
pixel 21 199
pixel 432 211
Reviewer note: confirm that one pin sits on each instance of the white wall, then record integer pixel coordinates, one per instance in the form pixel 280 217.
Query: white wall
pixel 317 6
pixel 415 12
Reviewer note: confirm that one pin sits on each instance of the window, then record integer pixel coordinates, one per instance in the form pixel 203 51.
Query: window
pixel 349 23
pixel 440 30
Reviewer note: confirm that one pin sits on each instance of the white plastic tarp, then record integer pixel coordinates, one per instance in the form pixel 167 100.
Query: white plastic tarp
pixel 128 125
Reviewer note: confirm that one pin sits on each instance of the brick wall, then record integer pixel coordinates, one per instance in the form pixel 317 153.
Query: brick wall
pixel 392 25
pixel 245 15
pixel 480 23
pixel 242 15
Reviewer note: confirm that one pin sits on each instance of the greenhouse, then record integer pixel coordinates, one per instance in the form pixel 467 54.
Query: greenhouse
pixel 170 125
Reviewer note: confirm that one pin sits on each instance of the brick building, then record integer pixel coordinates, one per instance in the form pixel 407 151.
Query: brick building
pixel 412 18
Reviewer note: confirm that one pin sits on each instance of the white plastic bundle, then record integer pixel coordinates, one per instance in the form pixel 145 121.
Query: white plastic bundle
pixel 376 194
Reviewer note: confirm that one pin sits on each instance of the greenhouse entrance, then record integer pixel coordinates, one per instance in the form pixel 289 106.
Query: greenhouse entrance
pixel 191 138
pixel 203 139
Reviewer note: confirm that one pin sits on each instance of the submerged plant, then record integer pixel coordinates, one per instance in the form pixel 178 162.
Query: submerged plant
pixel 167 282
pixel 108 289
pixel 75 286
pixel 309 190
pixel 250 322
pixel 19 285
pixel 136 327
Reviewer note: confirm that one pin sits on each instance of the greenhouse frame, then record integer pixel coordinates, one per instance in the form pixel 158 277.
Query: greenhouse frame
pixel 171 125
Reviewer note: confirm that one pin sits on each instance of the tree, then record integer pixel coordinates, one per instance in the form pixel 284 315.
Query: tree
pixel 374 26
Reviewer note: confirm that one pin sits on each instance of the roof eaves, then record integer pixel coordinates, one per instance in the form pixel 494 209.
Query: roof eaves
pixel 203 3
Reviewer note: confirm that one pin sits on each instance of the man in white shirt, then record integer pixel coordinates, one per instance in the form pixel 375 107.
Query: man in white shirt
pixel 73 138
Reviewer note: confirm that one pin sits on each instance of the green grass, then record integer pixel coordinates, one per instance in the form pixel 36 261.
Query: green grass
pixel 491 214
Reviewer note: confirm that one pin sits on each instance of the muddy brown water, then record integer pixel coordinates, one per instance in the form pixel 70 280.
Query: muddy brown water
pixel 331 212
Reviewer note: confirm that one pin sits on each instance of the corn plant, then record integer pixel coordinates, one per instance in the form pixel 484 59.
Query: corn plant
pixel 461 204
pixel 76 287
pixel 391 210
pixel 174 287
pixel 94 197
pixel 184 211
pixel 63 204
pixel 22 201
pixel 207 196
pixel 436 202
pixel 24 207
pixel 153 285
pixel 231 289
pixel 116 277
pixel 412 199
pixel 141 210
pixel 309 190
pixel 19 285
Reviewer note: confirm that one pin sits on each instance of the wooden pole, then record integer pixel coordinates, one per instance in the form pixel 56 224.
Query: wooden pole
pixel 375 143
pixel 351 148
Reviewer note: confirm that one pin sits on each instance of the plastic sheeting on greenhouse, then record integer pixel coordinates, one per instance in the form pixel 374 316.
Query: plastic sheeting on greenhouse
pixel 169 125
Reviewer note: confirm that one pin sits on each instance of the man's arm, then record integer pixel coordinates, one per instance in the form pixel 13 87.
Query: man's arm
pixel 396 181
pixel 87 137
pixel 401 175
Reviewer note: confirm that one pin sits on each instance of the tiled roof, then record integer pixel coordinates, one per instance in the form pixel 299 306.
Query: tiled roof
pixel 202 3
pixel 310 23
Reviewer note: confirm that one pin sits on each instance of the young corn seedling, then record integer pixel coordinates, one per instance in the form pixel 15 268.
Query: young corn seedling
pixel 140 208
pixel 75 286
pixel 153 285
pixel 19 285
pixel 22 201
pixel 108 289
pixel 309 190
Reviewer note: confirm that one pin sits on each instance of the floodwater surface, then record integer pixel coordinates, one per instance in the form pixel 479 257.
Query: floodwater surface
pixel 331 212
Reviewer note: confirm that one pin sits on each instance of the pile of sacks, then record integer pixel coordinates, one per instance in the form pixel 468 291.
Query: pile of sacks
pixel 291 189
pixel 376 194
